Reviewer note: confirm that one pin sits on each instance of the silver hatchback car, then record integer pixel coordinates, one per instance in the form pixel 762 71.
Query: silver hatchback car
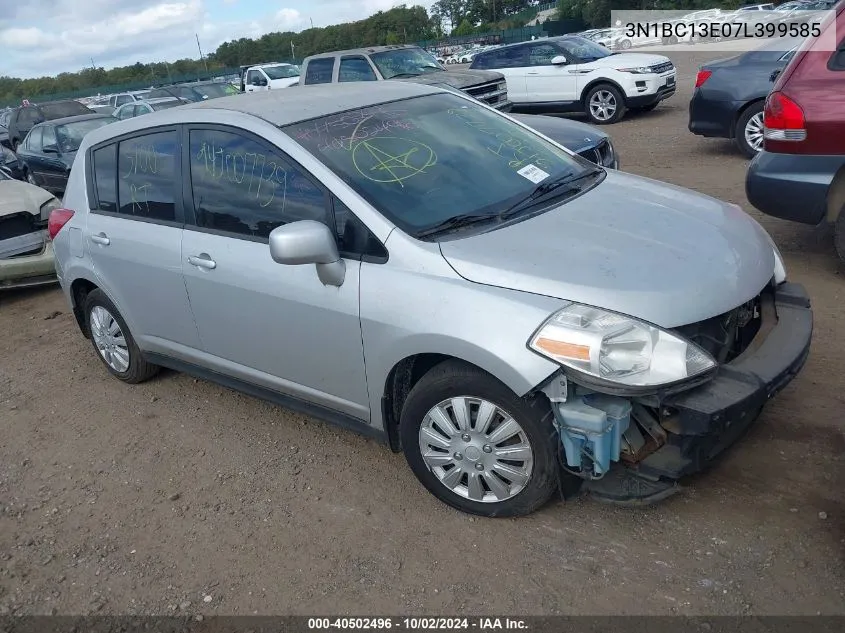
pixel 409 263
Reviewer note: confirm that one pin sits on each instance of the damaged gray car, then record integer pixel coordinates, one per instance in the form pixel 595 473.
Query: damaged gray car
pixel 26 255
pixel 404 261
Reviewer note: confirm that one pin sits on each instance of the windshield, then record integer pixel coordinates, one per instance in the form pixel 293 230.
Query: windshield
pixel 212 91
pixel 425 160
pixel 281 72
pixel 404 62
pixel 60 110
pixel 70 135
pixel 583 49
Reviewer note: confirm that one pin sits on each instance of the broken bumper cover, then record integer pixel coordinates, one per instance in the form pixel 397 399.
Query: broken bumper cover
pixel 705 420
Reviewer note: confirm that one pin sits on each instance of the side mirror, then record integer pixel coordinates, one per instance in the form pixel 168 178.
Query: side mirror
pixel 50 149
pixel 559 60
pixel 308 242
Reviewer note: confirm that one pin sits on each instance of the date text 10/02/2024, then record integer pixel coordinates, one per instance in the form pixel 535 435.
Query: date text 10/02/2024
pixel 418 623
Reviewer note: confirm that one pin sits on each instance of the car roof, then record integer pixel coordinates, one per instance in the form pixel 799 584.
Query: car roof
pixel 74 119
pixel 545 40
pixel 369 50
pixel 297 105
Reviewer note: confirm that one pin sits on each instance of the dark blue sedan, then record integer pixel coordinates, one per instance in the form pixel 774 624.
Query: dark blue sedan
pixel 49 148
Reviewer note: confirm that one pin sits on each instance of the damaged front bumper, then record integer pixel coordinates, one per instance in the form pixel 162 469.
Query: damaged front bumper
pixel 669 436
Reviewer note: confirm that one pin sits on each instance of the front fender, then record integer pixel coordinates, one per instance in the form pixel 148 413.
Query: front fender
pixel 431 310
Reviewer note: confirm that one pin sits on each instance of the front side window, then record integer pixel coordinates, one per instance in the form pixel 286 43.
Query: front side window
pixel 242 186
pixel 319 71
pixel 582 49
pixel 405 62
pixel 146 176
pixel 355 69
pixel 251 76
pixel 285 71
pixel 542 54
pixel 425 160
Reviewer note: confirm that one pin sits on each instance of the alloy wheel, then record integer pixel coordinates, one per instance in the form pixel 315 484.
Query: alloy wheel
pixel 603 105
pixel 754 132
pixel 109 339
pixel 476 449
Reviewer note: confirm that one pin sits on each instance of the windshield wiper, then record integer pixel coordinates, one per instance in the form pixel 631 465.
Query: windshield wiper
pixel 544 188
pixel 456 222
pixel 405 75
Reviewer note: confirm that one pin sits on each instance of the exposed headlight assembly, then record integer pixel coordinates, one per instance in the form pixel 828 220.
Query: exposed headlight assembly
pixel 617 351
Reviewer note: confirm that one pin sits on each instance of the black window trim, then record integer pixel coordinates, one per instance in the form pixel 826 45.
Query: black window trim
pixel 90 177
pixel 188 196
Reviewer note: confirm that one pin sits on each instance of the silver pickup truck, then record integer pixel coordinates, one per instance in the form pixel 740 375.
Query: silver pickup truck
pixel 403 63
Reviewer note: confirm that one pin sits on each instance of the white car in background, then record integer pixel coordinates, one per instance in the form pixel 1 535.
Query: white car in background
pixel 270 76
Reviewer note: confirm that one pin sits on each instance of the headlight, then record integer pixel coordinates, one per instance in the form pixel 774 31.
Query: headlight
pixel 617 349
pixel 639 70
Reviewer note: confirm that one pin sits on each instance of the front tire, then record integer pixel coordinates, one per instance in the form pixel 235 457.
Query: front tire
pixel 113 342
pixel 604 104
pixel 476 445
pixel 749 130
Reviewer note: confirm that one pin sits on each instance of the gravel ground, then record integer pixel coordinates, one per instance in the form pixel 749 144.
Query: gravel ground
pixel 181 496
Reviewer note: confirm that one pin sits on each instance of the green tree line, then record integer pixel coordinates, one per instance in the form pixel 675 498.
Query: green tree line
pixel 596 13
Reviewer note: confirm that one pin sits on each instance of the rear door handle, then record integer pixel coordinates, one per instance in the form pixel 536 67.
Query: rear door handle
pixel 203 260
pixel 101 238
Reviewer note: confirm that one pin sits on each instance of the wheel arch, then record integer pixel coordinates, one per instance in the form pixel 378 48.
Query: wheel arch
pixel 836 196
pixel 599 81
pixel 738 114
pixel 408 371
pixel 79 290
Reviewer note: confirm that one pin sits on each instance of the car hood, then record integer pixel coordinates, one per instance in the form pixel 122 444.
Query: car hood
pixel 17 196
pixel 456 78
pixel 654 251
pixel 573 135
pixel 286 82
pixel 628 60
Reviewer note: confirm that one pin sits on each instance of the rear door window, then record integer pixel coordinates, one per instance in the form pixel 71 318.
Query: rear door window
pixel 146 169
pixel 48 137
pixel 104 168
pixel 33 141
pixel 319 71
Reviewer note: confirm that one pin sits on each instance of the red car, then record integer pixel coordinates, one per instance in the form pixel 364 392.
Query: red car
pixel 800 174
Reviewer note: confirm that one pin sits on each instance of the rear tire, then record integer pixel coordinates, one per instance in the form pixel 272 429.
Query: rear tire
pixel 839 234
pixel 113 342
pixel 604 104
pixel 497 460
pixel 748 135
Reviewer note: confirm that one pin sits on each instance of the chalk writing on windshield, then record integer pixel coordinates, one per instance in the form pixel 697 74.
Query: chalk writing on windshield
pixel 517 150
pixel 342 131
pixel 392 159
pixel 259 176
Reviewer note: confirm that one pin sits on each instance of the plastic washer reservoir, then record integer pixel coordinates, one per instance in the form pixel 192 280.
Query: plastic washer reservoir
pixel 591 429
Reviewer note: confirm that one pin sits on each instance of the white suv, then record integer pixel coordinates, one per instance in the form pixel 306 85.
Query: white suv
pixel 574 74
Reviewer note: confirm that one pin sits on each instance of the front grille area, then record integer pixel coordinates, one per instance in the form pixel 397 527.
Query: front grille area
pixel 494 94
pixel 728 335
pixel 600 154
pixel 663 68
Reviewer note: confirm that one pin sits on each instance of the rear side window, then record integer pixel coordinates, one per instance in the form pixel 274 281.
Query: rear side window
pixel 33 140
pixel 146 169
pixel 241 186
pixel 512 57
pixel 319 71
pixel 105 177
pixel 28 117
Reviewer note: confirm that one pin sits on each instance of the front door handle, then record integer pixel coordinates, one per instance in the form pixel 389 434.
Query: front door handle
pixel 101 238
pixel 203 260
pixel 532 73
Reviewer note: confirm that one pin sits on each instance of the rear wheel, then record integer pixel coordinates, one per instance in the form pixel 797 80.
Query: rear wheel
pixel 113 342
pixel 476 445
pixel 839 234
pixel 604 104
pixel 749 130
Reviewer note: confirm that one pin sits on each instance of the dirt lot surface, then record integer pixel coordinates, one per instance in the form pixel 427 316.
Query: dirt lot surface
pixel 181 496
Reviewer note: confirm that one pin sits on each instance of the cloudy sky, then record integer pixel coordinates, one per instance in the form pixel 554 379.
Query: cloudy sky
pixel 46 37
